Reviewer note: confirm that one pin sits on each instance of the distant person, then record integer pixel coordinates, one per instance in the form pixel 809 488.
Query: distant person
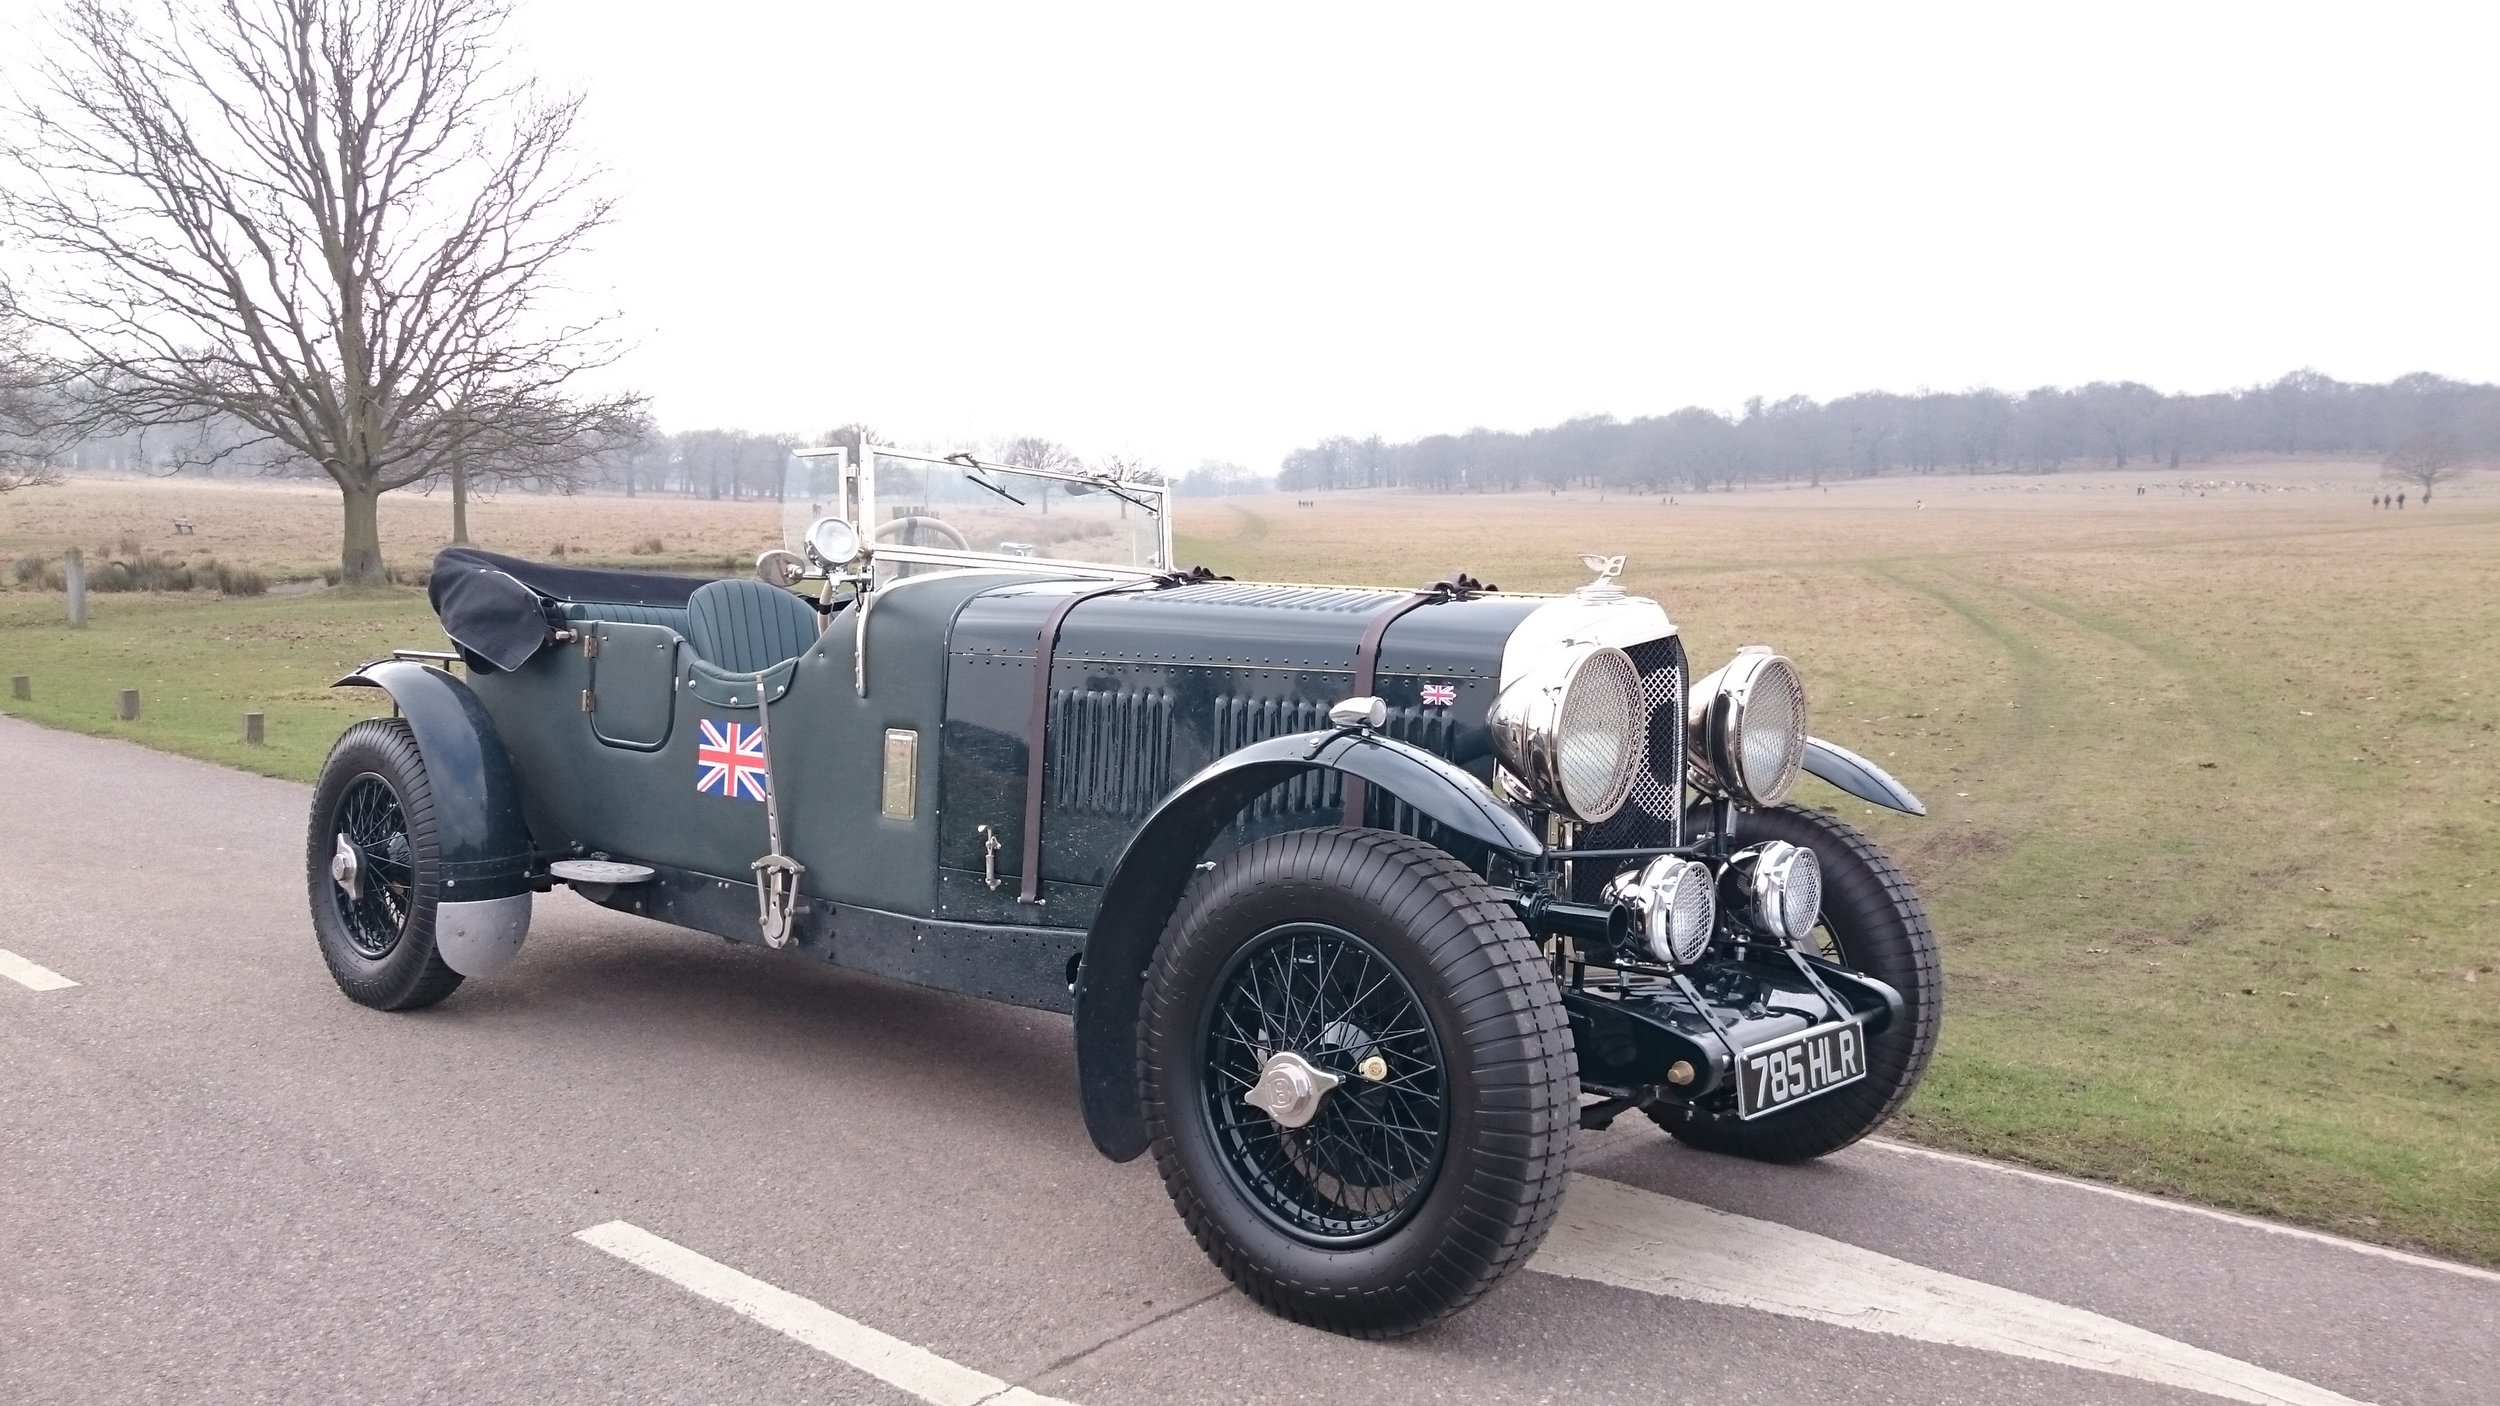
pixel 2373 500
pixel 2400 502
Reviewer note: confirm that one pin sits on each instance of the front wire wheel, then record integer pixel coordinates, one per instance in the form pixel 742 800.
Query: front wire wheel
pixel 1369 1153
pixel 1418 1092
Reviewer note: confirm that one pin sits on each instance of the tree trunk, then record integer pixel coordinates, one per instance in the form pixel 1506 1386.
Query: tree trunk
pixel 360 544
pixel 459 501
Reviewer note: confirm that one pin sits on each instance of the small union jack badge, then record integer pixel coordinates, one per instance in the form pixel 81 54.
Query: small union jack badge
pixel 729 761
pixel 1440 695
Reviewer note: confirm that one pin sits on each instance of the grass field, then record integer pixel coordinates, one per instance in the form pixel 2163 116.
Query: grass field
pixel 2214 842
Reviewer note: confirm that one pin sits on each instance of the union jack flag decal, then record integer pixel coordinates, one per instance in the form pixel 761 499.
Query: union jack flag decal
pixel 729 761
pixel 1440 695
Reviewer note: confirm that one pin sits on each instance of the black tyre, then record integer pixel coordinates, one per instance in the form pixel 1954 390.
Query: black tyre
pixel 375 871
pixel 1872 923
pixel 1433 1165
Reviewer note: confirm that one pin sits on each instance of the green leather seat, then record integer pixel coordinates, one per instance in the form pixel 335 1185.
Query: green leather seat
pixel 746 627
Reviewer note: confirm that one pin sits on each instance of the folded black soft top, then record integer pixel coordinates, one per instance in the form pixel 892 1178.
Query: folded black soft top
pixel 501 610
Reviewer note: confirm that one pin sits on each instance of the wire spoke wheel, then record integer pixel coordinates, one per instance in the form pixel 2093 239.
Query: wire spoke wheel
pixel 374 827
pixel 1369 1153
pixel 1411 1061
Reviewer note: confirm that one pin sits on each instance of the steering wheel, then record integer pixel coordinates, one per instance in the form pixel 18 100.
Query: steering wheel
pixel 918 524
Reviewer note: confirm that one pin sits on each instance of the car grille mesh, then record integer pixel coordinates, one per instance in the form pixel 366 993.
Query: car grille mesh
pixel 1654 817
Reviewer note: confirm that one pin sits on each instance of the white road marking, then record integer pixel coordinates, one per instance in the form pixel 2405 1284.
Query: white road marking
pixel 30 976
pixel 889 1359
pixel 1615 1234
pixel 2296 1232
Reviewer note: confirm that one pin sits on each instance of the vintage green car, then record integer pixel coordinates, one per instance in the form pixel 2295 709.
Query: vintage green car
pixel 1363 901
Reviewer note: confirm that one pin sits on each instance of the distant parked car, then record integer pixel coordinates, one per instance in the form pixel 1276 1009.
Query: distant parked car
pixel 1364 901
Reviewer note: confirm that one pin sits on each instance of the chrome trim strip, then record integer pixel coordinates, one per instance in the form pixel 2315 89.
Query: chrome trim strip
pixel 999 561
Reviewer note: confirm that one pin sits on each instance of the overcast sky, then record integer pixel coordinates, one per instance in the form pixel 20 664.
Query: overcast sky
pixel 1221 232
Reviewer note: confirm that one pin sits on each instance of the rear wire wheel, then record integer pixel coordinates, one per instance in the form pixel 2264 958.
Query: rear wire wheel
pixel 1874 923
pixel 1439 1090
pixel 374 870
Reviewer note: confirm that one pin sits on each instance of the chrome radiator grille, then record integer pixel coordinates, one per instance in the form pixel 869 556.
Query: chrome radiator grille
pixel 1654 817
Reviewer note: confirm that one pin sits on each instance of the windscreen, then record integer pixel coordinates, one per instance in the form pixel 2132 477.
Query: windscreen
pixel 919 501
pixel 814 484
pixel 925 502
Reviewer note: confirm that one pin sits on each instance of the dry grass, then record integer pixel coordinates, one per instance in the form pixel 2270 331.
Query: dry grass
pixel 290 531
pixel 2214 844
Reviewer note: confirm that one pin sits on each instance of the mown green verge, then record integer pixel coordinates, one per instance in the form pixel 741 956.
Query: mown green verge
pixel 201 663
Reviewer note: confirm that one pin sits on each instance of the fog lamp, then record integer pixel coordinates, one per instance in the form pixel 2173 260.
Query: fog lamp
pixel 1776 889
pixel 1669 904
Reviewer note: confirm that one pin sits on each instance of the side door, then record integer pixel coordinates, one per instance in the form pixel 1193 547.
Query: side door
pixel 633 685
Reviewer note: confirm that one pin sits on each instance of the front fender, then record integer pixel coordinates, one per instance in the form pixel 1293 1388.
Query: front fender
pixel 1146 886
pixel 1859 777
pixel 485 839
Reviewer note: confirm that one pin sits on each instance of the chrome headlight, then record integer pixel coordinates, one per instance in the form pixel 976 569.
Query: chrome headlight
pixel 1747 725
pixel 1572 730
pixel 1669 904
pixel 1777 889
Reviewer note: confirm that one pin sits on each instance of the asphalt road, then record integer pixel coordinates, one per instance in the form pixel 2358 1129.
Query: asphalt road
pixel 221 1181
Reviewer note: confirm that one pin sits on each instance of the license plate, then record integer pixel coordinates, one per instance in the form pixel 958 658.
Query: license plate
pixel 1791 1070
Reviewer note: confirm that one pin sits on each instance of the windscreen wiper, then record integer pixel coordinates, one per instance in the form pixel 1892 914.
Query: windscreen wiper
pixel 1126 497
pixel 994 488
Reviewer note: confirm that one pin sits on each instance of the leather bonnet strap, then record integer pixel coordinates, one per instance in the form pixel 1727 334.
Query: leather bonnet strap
pixel 1461 586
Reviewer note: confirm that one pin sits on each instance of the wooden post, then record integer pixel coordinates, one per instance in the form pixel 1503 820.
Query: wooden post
pixel 130 705
pixel 74 577
pixel 252 729
pixel 21 687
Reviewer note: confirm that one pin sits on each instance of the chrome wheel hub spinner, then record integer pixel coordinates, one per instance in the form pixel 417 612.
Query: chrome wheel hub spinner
pixel 1290 1089
pixel 347 870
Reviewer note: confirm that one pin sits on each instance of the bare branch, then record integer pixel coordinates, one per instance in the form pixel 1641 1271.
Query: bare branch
pixel 329 226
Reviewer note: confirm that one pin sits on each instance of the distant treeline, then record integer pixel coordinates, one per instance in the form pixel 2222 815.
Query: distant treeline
pixel 693 463
pixel 635 460
pixel 2113 424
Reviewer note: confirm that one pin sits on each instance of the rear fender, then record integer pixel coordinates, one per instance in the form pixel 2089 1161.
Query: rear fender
pixel 1156 867
pixel 487 855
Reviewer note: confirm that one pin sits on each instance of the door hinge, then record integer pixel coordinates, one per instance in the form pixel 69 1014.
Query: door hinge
pixel 590 645
pixel 590 700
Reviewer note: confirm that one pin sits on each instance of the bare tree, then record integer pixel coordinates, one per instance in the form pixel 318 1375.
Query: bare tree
pixel 854 437
pixel 1126 468
pixel 2429 459
pixel 1034 452
pixel 545 444
pixel 331 221
pixel 24 457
